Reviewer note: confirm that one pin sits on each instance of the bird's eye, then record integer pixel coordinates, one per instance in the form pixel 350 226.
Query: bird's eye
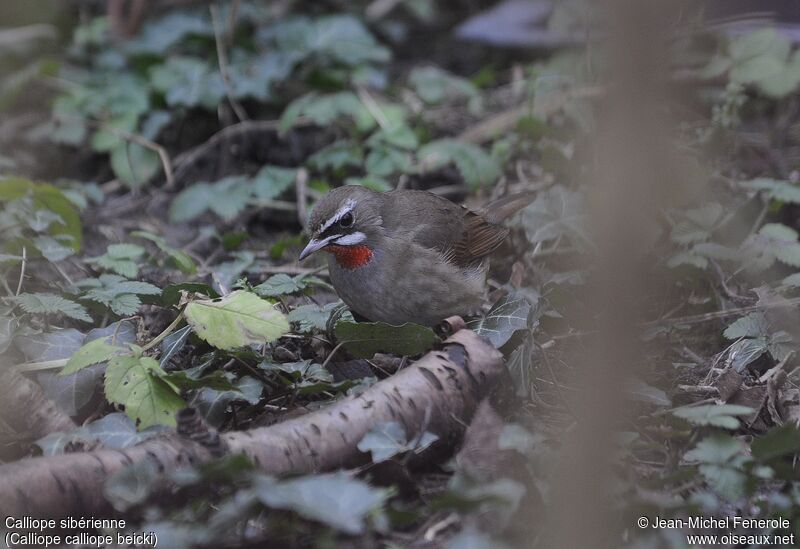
pixel 346 220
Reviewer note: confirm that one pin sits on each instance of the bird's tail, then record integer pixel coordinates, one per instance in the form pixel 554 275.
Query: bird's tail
pixel 503 208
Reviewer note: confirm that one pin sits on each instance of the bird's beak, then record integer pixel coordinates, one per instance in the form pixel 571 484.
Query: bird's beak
pixel 312 246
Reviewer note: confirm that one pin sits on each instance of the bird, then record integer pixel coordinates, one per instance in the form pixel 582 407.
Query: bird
pixel 407 255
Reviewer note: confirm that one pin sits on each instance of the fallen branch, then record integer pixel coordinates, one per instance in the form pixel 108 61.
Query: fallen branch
pixel 25 407
pixel 439 393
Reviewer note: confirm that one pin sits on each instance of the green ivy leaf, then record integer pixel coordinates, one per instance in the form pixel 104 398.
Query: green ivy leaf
pixel 364 339
pixel 335 499
pixel 557 212
pixel 238 319
pixel 188 82
pixel 475 166
pixel 325 109
pixel 388 439
pixel 435 85
pixel 508 315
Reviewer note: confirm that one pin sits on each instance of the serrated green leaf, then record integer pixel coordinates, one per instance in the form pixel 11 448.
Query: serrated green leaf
pixel 117 293
pixel 272 181
pixel 779 441
pixel 384 161
pixel 238 319
pixel 135 382
pixel 752 325
pixel 336 156
pixel 774 242
pixel 716 415
pixel 312 317
pixel 44 303
pixel 283 284
pixel 49 198
pixel 181 259
pixel 364 339
pixel 783 191
pixel 94 352
pixel 697 224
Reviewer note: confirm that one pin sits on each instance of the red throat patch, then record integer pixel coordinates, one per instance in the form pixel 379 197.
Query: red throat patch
pixel 350 257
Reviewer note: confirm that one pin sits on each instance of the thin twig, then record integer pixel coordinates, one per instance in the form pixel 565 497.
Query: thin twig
pixel 373 107
pixel 333 352
pixel 694 319
pixel 168 330
pixel 22 269
pixel 301 187
pixel 233 17
pixel 187 158
pixel 140 140
pixel 222 60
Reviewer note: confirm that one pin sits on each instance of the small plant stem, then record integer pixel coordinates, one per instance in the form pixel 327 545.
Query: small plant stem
pixel 22 269
pixel 222 59
pixel 44 365
pixel 333 352
pixel 168 330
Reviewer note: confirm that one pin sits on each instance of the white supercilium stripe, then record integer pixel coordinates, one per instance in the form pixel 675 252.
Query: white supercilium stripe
pixel 348 207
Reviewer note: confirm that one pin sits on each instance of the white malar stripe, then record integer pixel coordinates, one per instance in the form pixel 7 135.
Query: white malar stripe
pixel 351 239
pixel 348 207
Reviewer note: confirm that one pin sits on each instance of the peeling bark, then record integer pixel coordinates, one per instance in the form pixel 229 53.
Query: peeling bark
pixel 25 407
pixel 439 393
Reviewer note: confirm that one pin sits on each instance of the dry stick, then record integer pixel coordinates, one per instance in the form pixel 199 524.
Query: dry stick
pixel 223 65
pixel 188 158
pixel 501 122
pixel 301 188
pixel 704 317
pixel 445 385
pixel 166 164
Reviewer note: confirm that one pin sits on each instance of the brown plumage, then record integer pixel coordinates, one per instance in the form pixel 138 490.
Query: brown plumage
pixel 407 256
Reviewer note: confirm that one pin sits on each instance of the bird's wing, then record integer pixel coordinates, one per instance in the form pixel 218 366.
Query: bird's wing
pixel 431 221
pixel 478 239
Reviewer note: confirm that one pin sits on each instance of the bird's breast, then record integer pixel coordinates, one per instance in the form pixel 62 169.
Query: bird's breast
pixel 350 257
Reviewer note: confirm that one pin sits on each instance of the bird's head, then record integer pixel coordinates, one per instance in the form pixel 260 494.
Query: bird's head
pixel 347 223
